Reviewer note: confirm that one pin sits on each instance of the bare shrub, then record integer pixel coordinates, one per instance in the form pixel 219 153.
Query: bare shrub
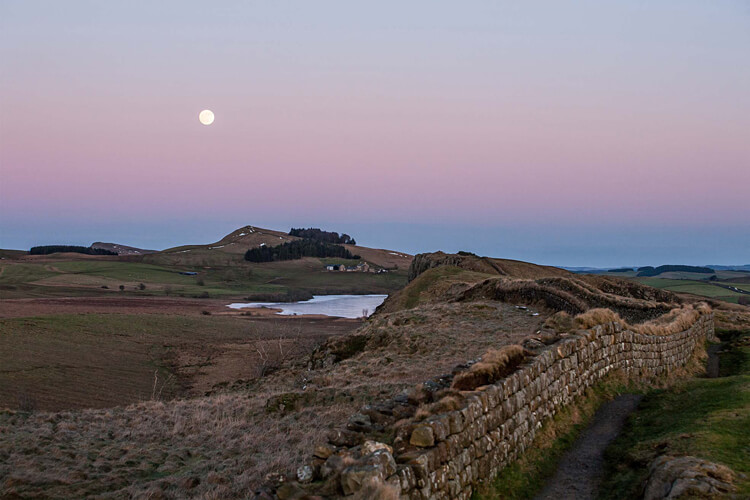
pixel 446 404
pixel 157 389
pixel 495 364
pixel 560 321
pixel 422 413
pixel 675 321
pixel 595 317
pixel 289 346
pixel 270 356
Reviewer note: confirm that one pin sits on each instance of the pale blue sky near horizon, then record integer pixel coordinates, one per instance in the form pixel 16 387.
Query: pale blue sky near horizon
pixel 577 245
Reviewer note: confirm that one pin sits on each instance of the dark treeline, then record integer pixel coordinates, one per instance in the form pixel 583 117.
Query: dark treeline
pixel 655 271
pixel 48 249
pixel 315 233
pixel 621 270
pixel 296 250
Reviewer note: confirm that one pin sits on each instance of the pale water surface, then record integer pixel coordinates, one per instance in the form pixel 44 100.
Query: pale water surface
pixel 343 306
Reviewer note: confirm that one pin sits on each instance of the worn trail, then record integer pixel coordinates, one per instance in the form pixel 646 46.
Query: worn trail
pixel 581 468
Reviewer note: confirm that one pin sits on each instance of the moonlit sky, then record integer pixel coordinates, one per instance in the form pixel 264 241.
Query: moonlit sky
pixel 586 133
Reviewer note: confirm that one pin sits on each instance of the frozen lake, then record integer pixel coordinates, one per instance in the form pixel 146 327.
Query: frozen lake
pixel 343 306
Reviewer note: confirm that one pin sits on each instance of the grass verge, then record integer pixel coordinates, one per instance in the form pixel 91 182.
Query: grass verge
pixel 705 418
pixel 526 476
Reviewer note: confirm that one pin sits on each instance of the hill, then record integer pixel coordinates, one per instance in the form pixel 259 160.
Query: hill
pixel 199 271
pixel 232 247
pixel 12 254
pixel 655 271
pixel 121 249
pixel 440 277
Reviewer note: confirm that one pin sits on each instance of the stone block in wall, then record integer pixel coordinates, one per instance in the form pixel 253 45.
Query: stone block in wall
pixel 466 416
pixel 494 395
pixel 356 476
pixel 455 422
pixel 406 477
pixel 545 359
pixel 422 436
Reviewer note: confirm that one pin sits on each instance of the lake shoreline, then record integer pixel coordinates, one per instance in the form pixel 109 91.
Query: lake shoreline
pixel 336 306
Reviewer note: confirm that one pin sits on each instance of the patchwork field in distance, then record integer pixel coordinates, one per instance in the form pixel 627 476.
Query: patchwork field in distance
pixel 701 288
pixel 57 277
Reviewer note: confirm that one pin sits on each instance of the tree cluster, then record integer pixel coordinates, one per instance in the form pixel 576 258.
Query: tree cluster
pixel 48 249
pixel 655 271
pixel 620 270
pixel 317 234
pixel 297 249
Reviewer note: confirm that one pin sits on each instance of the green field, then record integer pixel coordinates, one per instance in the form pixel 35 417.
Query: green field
pixel 100 276
pixel 705 418
pixel 702 288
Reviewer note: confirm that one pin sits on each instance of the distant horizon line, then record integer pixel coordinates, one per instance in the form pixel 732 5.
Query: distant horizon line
pixel 566 267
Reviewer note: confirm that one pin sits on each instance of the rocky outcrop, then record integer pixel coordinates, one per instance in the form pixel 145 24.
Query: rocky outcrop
pixel 687 477
pixel 565 294
pixel 424 261
pixel 552 288
pixel 444 455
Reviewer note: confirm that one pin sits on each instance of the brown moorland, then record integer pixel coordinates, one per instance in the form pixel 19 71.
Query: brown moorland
pixel 68 361
pixel 225 444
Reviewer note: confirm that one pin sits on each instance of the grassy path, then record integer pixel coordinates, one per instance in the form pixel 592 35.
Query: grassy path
pixel 706 418
pixel 581 468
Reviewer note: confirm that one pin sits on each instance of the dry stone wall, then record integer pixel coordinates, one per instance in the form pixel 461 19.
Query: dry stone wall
pixel 446 455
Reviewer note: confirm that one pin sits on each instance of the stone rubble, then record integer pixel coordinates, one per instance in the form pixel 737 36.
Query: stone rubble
pixel 687 477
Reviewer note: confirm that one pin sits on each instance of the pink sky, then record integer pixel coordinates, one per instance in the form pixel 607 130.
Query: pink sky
pixel 542 113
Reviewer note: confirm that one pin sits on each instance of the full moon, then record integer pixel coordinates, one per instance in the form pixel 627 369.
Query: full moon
pixel 206 117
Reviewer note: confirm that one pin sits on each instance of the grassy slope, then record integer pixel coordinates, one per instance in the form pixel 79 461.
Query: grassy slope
pixel 60 278
pixel 706 418
pixel 230 250
pixel 223 272
pixel 95 359
pixel 694 283
pixel 430 285
pixel 701 288
pixel 101 360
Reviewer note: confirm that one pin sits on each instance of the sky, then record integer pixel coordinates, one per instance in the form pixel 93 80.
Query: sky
pixel 586 133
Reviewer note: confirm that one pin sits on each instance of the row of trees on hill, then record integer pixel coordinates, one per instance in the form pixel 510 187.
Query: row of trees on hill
pixel 297 249
pixel 318 234
pixel 48 249
pixel 655 271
